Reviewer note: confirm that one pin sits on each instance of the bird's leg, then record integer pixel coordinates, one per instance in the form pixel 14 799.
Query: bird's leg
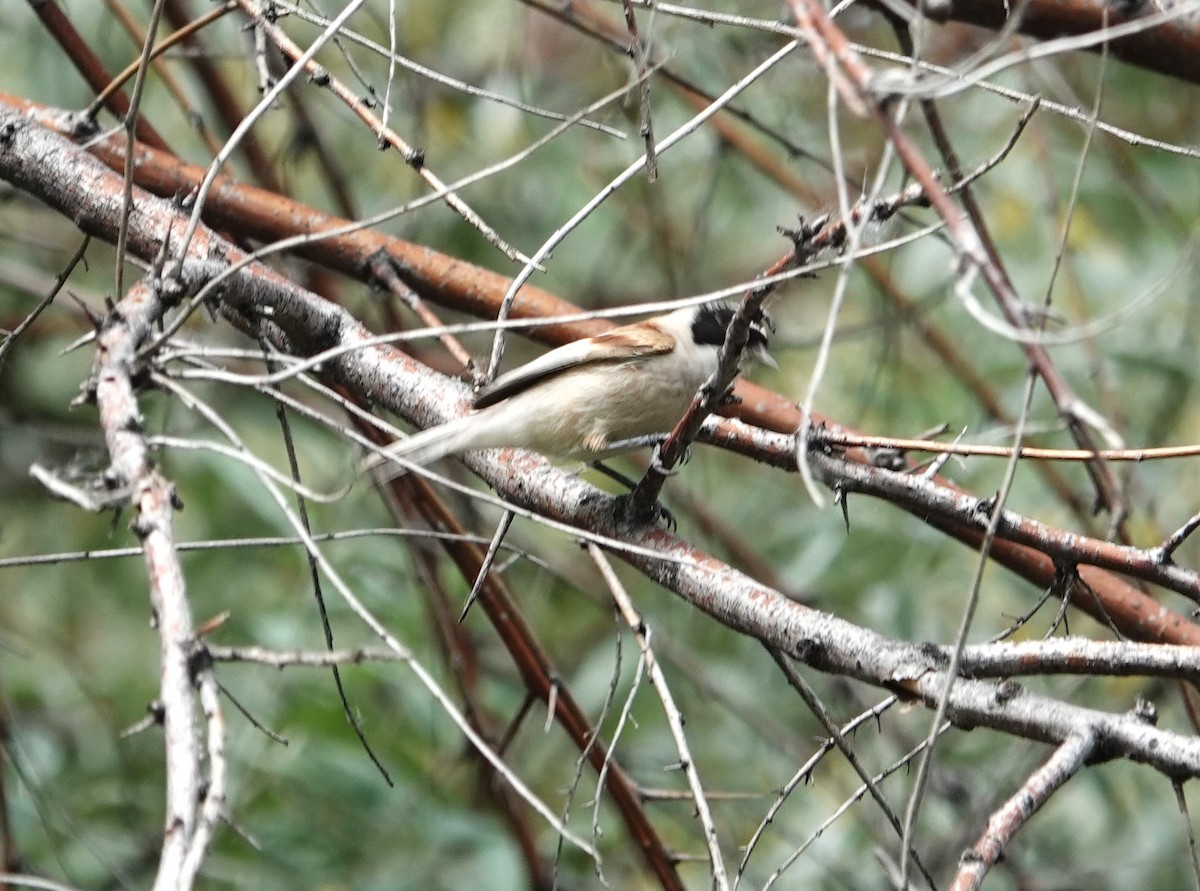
pixel 613 474
pixel 636 442
pixel 641 442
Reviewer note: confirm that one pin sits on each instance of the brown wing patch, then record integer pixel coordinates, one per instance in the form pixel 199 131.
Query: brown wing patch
pixel 637 340
pixel 618 345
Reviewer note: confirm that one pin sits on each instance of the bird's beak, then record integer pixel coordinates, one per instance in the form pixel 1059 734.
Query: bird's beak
pixel 761 355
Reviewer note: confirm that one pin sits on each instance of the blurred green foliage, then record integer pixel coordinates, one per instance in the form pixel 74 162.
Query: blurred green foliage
pixel 78 655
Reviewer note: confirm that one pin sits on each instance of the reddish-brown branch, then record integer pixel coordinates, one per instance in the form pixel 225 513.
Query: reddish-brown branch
pixel 1171 48
pixel 1104 596
pixel 945 506
pixel 88 64
pixel 460 655
pixel 260 215
pixel 161 70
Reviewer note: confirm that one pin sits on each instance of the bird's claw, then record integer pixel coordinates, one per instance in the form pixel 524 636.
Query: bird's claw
pixel 634 511
pixel 658 466
pixel 668 518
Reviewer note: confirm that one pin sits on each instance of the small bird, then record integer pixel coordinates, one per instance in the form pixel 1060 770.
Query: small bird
pixel 590 398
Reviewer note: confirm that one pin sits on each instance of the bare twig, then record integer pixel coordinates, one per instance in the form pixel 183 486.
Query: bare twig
pixel 639 55
pixel 10 337
pixel 623 177
pixel 839 439
pixel 716 862
pixel 954 506
pixel 1068 759
pixel 529 484
pixel 967 240
pixel 797 682
pixel 414 157
pixel 488 559
pixel 803 775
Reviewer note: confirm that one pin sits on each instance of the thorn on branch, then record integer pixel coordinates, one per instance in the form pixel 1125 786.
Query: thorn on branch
pixel 1165 552
pixel 1008 690
pixel 1145 711
pixel 983 508
pixel 840 499
pixel 212 624
pixel 95 320
pixel 319 76
pixel 199 660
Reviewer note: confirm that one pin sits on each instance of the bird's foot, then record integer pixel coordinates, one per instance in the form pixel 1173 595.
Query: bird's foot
pixel 636 512
pixel 659 467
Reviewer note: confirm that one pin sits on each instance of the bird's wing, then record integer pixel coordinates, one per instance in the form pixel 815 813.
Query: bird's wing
pixel 618 345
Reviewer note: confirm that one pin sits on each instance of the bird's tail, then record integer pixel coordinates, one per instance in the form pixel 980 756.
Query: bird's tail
pixel 422 448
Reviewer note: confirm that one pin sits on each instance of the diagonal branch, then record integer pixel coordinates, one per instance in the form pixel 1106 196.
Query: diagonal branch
pixel 1068 759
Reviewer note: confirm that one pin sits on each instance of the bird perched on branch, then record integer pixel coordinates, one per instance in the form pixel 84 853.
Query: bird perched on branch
pixel 595 397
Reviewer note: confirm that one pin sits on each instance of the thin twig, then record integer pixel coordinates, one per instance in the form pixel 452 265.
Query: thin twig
pixel 10 337
pixel 840 439
pixel 488 559
pixel 718 875
pixel 797 682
